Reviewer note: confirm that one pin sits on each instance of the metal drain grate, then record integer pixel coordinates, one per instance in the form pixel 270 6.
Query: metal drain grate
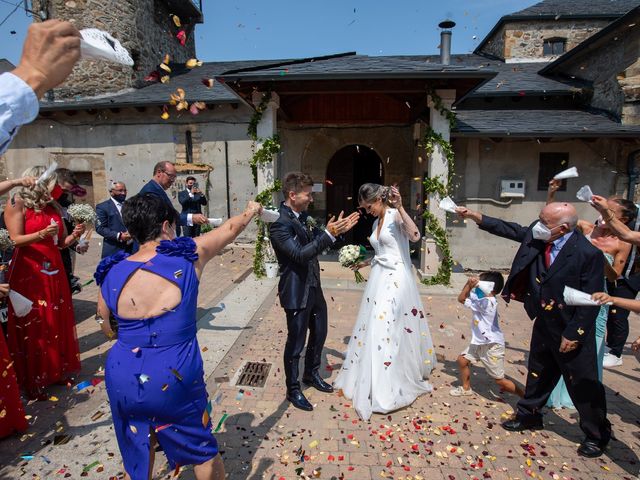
pixel 254 374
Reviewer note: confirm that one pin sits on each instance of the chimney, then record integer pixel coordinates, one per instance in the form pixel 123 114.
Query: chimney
pixel 445 41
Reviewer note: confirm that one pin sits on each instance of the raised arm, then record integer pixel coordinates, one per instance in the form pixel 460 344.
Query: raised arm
pixel 616 226
pixel 7 185
pixel 554 185
pixel 285 242
pixel 495 226
pixel 211 243
pixel 403 219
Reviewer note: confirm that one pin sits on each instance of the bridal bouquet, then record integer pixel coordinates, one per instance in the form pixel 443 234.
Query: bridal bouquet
pixel 82 213
pixel 349 256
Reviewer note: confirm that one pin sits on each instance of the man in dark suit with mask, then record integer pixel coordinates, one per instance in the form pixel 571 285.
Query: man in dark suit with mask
pixel 297 247
pixel 115 237
pixel 552 255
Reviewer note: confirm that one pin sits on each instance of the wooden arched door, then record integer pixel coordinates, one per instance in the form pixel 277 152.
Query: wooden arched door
pixel 349 168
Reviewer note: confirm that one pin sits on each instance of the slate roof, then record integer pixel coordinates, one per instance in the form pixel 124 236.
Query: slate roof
pixel 158 93
pixel 512 78
pixel 6 65
pixel 573 8
pixel 539 123
pixel 353 66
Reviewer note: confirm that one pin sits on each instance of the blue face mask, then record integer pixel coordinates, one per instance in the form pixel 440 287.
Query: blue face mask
pixel 479 293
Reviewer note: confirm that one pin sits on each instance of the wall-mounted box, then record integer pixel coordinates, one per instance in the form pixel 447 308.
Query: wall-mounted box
pixel 512 188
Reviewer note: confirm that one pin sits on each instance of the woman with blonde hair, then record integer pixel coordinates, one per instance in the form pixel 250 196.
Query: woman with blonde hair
pixel 390 353
pixel 43 344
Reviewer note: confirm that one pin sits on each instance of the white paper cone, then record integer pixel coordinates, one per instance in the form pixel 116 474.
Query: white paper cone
pixel 568 173
pixel 585 194
pixel 97 44
pixel 576 298
pixel 48 172
pixel 269 216
pixel 21 304
pixel 486 287
pixel 448 205
pixel 215 222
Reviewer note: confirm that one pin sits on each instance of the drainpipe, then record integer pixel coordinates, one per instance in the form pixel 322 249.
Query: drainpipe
pixel 445 41
pixel 226 169
pixel 634 174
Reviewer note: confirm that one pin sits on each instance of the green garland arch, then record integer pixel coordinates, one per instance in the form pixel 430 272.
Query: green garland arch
pixel 434 185
pixel 270 147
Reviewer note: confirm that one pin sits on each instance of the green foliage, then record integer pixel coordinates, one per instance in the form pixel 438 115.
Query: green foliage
pixel 264 155
pixel 252 130
pixel 435 186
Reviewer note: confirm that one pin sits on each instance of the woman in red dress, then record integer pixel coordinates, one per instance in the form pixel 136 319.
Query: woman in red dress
pixel 43 344
pixel 12 417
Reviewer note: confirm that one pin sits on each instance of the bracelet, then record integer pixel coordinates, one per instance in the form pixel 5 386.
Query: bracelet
pixel 98 318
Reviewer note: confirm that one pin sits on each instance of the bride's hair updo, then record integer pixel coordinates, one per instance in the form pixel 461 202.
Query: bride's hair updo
pixel 370 192
pixel 38 196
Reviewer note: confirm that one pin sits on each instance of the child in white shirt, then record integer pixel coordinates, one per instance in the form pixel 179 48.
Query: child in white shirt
pixel 487 340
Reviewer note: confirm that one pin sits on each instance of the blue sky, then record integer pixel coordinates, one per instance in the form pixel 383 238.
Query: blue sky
pixel 257 29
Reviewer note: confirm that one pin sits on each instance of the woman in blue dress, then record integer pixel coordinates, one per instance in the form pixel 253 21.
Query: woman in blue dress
pixel 154 373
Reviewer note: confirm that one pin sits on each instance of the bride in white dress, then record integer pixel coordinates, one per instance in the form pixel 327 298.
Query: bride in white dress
pixel 390 353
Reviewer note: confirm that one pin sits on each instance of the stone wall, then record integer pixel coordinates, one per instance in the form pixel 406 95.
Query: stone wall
pixel 524 40
pixel 145 29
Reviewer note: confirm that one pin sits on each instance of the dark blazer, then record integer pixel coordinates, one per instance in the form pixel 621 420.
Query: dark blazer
pixel 297 250
pixel 191 205
pixel 109 224
pixel 578 264
pixel 154 188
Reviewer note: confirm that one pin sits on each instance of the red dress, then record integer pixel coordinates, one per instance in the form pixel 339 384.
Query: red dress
pixel 11 411
pixel 43 344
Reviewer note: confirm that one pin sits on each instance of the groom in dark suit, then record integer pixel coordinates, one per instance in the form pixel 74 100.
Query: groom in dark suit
pixel 552 255
pixel 297 247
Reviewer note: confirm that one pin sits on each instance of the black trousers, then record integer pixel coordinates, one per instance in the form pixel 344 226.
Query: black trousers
pixel 618 319
pixel 579 369
pixel 192 232
pixel 314 319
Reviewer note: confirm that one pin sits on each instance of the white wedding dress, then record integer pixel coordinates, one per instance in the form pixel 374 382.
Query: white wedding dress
pixel 390 353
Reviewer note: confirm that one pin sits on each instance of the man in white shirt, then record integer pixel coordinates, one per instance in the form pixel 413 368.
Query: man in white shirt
pixel 50 51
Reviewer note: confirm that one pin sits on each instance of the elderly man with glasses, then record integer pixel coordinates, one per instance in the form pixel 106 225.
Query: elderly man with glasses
pixel 164 175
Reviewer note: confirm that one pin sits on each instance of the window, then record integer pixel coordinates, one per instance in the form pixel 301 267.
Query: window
pixel 550 164
pixel 554 46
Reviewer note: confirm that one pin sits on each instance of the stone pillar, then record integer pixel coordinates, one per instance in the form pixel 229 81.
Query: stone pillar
pixel 430 256
pixel 267 127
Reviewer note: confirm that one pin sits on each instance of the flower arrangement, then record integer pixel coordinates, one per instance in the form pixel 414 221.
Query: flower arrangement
pixel 82 213
pixel 350 256
pixel 5 240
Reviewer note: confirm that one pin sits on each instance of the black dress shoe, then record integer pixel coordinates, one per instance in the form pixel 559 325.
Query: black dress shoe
pixel 298 400
pixel 517 425
pixel 590 449
pixel 315 380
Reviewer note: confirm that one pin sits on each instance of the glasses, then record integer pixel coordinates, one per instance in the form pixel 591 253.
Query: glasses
pixel 173 176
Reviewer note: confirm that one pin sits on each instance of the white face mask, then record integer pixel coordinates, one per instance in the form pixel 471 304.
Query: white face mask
pixel 541 232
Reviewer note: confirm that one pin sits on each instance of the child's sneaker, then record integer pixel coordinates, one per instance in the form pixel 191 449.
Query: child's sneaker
pixel 460 392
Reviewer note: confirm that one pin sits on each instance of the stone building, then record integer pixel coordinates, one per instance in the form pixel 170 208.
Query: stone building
pixel 349 118
pixel 146 28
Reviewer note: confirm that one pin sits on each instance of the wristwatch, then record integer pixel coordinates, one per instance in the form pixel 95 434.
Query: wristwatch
pixel 98 318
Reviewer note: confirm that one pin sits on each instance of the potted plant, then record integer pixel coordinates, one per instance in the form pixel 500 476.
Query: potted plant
pixel 271 266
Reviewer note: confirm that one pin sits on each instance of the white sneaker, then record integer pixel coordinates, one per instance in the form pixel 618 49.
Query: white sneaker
pixel 460 392
pixel 611 361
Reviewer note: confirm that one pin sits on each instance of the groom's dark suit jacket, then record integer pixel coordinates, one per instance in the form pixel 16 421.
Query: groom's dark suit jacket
pixel 297 250
pixel 579 265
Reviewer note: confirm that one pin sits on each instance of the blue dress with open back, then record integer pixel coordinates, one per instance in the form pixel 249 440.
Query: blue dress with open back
pixel 154 373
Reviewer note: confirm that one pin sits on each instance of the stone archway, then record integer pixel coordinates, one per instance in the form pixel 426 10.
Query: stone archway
pixel 350 167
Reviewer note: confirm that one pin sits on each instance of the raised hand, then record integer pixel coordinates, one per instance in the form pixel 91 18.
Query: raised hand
pixel 599 203
pixel 554 185
pixel 465 212
pixel 27 182
pixel 342 225
pixel 253 208
pixel 50 51
pixel 395 199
